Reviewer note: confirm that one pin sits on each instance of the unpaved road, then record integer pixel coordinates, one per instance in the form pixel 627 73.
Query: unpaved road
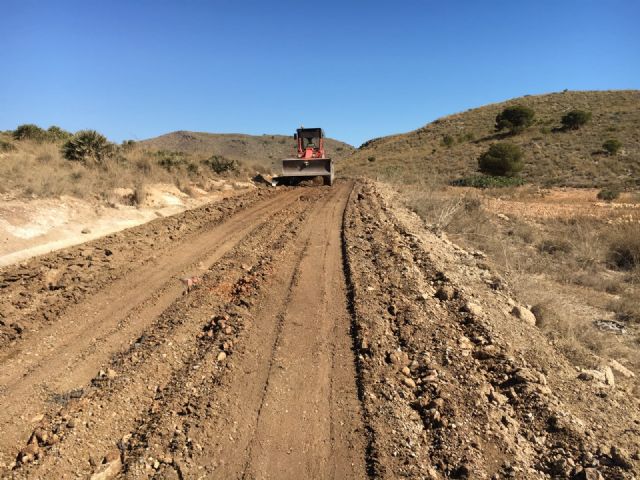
pixel 330 337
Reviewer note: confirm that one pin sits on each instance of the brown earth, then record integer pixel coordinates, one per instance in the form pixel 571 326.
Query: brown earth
pixel 331 336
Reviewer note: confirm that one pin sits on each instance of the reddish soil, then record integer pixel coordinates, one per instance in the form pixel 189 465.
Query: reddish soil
pixel 330 336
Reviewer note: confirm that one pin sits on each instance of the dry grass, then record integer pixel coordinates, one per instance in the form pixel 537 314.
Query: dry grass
pixel 573 271
pixel 38 169
pixel 552 157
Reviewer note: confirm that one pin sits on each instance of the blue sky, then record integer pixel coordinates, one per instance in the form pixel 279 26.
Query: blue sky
pixel 360 69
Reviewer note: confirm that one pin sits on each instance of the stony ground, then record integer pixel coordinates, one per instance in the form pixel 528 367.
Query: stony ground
pixel 330 336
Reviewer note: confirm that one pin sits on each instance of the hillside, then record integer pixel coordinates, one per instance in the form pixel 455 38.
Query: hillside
pixel 264 150
pixel 552 156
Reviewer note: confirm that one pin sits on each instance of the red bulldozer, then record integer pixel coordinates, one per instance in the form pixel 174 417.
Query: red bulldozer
pixel 311 160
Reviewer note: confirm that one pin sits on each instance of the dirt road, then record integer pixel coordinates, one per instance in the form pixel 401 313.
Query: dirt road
pixel 330 336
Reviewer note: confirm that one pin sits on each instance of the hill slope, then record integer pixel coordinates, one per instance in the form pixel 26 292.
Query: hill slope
pixel 552 157
pixel 264 150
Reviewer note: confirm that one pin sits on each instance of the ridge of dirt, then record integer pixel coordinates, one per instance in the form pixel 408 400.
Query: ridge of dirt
pixel 456 386
pixel 37 291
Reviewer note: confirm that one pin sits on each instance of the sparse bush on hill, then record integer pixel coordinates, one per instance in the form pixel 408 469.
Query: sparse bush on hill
pixel 448 141
pixel 487 181
pixel 575 119
pixel 220 164
pixel 127 145
pixel 608 194
pixel 514 119
pixel 503 159
pixel 612 146
pixel 29 131
pixel 57 134
pixel 87 145
pixel 624 248
pixel 170 160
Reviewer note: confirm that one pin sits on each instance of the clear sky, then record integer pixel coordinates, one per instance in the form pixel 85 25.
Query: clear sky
pixel 357 68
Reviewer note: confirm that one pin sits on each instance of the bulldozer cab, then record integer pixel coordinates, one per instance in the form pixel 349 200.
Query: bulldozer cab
pixel 310 138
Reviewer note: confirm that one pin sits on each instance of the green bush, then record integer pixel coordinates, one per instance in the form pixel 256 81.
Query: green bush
pixel 371 159
pixel 127 145
pixel 220 164
pixel 170 160
pixel 515 119
pixel 608 194
pixel 575 119
pixel 29 131
pixel 612 146
pixel 57 134
pixel 448 141
pixel 503 159
pixel 487 181
pixel 87 145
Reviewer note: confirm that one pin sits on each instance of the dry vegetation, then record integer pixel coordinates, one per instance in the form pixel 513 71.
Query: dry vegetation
pixel 450 146
pixel 37 167
pixel 576 263
pixel 580 274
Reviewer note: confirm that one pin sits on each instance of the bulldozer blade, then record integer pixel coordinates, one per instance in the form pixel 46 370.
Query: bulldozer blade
pixel 296 169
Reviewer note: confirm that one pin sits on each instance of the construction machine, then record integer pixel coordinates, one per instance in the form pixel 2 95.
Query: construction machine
pixel 311 161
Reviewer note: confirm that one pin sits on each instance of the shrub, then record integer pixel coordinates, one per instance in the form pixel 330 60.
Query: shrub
pixel 371 159
pixel 555 245
pixel 612 146
pixel 624 252
pixel 220 164
pixel 127 145
pixel 515 119
pixel 29 131
pixel 57 134
pixel 575 119
pixel 448 141
pixel 170 160
pixel 87 145
pixel 504 159
pixel 608 194
pixel 6 146
pixel 487 181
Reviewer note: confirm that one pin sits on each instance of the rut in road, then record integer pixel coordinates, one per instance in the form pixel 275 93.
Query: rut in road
pixel 64 357
pixel 288 406
pixel 283 402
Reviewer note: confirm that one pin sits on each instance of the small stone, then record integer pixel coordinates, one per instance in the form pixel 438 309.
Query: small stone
pixel 445 292
pixel 409 382
pixel 621 458
pixel 524 314
pixel 585 376
pixel 228 330
pixel 608 376
pixel 588 474
pixel 621 369
pixel 41 435
pixel 472 308
pixel 221 356
pixel 85 231
pixel 71 423
pixel 406 372
pixel 111 374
